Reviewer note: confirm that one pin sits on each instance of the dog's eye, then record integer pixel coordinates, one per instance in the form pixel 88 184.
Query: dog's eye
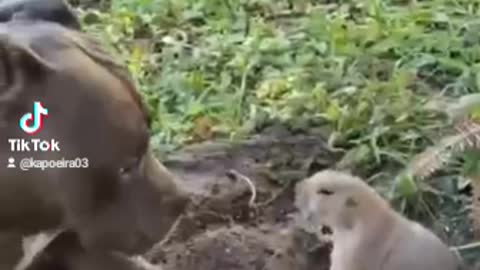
pixel 130 167
pixel 125 170
pixel 324 191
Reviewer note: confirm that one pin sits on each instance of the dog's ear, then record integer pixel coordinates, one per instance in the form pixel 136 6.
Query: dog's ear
pixel 19 63
pixel 22 52
pixel 350 202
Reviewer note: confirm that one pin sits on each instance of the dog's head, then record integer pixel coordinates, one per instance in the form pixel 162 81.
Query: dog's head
pixel 58 11
pixel 119 196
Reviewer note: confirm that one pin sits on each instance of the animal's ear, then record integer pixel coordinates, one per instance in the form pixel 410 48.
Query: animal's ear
pixel 350 202
pixel 21 51
pixel 19 62
pixel 31 58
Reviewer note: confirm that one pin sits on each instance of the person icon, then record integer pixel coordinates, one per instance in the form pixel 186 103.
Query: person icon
pixel 11 163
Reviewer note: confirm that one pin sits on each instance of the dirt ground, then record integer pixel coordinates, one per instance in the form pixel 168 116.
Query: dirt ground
pixel 224 229
pixel 240 217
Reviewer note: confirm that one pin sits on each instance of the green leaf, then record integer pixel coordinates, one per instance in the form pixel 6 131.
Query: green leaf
pixel 471 165
pixel 406 187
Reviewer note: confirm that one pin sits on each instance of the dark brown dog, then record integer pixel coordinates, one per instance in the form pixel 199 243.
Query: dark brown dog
pixel 58 11
pixel 125 200
pixel 66 253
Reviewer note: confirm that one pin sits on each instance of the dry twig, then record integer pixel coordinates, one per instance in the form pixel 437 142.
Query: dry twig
pixel 253 190
pixel 466 247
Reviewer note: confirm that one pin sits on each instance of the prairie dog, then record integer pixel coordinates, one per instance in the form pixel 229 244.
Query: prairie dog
pixel 367 233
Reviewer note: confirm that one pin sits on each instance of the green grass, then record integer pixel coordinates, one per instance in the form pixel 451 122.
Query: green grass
pixel 362 69
pixel 365 68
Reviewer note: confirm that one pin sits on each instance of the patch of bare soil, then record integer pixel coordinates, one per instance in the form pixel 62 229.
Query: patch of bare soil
pixel 235 248
pixel 242 197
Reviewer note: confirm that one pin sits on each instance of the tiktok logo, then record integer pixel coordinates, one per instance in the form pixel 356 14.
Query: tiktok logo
pixel 32 123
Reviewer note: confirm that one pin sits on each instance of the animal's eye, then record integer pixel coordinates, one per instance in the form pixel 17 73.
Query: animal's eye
pixel 125 170
pixel 129 168
pixel 324 191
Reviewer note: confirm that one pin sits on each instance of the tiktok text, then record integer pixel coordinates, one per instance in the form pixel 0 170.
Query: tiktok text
pixel 34 145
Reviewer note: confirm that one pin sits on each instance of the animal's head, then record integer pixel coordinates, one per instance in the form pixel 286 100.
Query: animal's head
pixel 331 198
pixel 58 11
pixel 125 199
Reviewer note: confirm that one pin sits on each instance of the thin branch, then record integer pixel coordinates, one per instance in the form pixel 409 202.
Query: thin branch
pixel 253 190
pixel 275 196
pixel 466 247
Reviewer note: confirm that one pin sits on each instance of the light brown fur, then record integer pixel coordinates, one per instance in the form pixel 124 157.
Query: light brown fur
pixel 367 233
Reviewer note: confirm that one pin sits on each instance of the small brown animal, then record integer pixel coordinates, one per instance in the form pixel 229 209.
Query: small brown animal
pixel 125 200
pixel 367 233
